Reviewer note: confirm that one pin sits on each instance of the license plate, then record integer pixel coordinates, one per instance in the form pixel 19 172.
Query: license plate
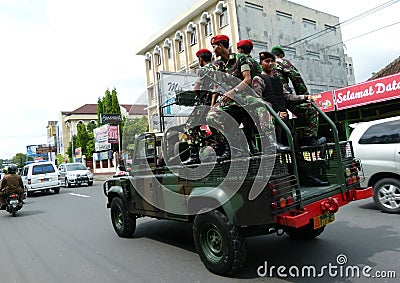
pixel 324 219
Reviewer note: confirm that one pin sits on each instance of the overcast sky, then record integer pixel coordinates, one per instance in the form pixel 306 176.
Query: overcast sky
pixel 59 55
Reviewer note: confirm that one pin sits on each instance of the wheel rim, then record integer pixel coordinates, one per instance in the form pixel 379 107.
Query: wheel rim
pixel 118 218
pixel 389 196
pixel 212 243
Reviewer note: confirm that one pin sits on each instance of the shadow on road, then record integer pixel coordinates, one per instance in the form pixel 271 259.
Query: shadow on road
pixel 340 238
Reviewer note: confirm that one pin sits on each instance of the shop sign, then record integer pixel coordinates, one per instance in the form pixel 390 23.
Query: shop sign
pixel 369 92
pixel 324 100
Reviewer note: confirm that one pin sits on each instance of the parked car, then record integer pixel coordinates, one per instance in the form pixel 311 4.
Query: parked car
pixel 377 144
pixel 40 176
pixel 75 174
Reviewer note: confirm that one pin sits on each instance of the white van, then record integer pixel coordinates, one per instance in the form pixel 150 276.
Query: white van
pixel 40 176
pixel 377 145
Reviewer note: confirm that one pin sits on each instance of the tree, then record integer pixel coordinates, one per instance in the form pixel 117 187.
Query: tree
pixel 109 105
pixel 132 128
pixel 19 159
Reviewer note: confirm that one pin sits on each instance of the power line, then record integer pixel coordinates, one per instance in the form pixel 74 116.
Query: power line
pixel 358 36
pixel 353 19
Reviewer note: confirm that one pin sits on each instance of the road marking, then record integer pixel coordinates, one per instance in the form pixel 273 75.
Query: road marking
pixel 78 195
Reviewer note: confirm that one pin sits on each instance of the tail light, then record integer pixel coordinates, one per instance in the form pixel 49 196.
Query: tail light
pixel 29 181
pixel 13 196
pixel 59 177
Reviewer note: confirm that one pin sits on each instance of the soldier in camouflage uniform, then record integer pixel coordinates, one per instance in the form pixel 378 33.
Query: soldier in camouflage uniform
pixel 299 104
pixel 203 87
pixel 238 65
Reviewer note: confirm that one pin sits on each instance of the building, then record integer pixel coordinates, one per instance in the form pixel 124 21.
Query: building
pixel 311 40
pixel 68 120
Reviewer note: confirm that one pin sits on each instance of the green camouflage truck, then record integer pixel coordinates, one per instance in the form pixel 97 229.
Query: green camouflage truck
pixel 242 197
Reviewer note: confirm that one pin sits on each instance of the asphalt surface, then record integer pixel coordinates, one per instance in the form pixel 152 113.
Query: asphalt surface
pixel 69 238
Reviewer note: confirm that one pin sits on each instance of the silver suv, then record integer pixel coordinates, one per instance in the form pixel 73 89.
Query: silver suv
pixel 75 174
pixel 377 144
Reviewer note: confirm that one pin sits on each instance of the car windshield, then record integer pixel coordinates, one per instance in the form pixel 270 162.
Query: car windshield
pixel 74 167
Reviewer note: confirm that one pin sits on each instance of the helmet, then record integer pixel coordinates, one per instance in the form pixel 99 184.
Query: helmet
pixel 12 169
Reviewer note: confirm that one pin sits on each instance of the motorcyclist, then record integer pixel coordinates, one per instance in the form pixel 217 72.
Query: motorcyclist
pixel 11 183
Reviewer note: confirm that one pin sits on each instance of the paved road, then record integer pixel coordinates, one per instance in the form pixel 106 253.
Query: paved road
pixel 69 238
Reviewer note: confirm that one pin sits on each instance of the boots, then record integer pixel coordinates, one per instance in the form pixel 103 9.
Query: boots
pixel 226 153
pixel 193 158
pixel 253 148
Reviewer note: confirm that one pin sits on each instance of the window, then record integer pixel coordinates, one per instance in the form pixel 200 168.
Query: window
pixel 159 59
pixel 285 15
pixel 334 59
pixel 384 133
pixel 223 18
pixel 330 28
pixel 253 6
pixel 193 37
pixel 312 55
pixel 169 53
pixel 180 46
pixel 208 27
pixel 42 169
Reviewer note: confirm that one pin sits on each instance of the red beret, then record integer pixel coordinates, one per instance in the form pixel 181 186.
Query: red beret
pixel 245 42
pixel 219 38
pixel 203 51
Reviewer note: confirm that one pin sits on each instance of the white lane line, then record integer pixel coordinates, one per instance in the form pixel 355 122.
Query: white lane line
pixel 78 195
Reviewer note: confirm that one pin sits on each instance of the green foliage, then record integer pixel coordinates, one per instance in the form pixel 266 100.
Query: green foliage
pixel 19 159
pixel 132 128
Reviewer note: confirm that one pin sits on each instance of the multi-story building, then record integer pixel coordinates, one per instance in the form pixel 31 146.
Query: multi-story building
pixel 311 40
pixel 68 121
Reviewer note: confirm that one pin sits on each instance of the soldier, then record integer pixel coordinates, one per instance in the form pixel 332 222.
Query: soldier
pixel 299 104
pixel 204 85
pixel 239 66
pixel 270 87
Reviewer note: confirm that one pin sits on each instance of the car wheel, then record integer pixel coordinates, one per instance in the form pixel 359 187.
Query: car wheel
pixel 56 190
pixel 123 221
pixel 67 183
pixel 387 195
pixel 218 242
pixel 306 232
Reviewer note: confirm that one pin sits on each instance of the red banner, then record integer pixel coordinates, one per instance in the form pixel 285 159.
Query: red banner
pixel 369 92
pixel 113 134
pixel 324 100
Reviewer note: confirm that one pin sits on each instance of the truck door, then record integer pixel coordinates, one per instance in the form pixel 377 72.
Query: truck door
pixel 145 183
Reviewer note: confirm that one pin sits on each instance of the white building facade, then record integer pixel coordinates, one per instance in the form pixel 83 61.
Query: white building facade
pixel 311 39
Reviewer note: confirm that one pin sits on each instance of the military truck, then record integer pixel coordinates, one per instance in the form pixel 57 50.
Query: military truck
pixel 245 196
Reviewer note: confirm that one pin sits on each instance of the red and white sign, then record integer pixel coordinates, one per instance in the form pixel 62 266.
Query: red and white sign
pixel 369 92
pixel 112 134
pixel 324 100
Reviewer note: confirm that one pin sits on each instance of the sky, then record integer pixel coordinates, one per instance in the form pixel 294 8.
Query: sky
pixel 58 55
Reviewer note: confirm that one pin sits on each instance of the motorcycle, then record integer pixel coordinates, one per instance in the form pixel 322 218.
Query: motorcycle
pixel 13 204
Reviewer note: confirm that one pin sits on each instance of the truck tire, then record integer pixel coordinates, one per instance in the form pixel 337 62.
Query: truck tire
pixel 387 195
pixel 306 232
pixel 123 221
pixel 218 242
pixel 56 190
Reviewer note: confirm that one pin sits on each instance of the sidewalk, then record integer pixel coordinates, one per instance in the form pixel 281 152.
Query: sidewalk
pixel 102 176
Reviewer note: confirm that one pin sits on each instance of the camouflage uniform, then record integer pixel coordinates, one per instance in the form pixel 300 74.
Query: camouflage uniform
pixel 237 64
pixel 206 80
pixel 297 104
